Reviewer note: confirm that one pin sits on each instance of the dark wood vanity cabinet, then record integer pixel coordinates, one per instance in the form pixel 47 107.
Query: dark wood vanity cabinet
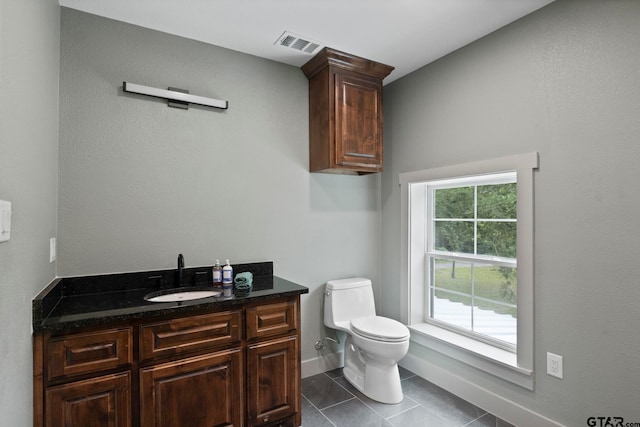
pixel 235 367
pixel 198 391
pixel 96 402
pixel 271 381
pixel 202 390
pixel 81 390
pixel 273 364
pixel 345 113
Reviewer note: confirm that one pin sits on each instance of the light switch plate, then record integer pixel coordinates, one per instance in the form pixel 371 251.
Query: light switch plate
pixel 5 220
pixel 52 249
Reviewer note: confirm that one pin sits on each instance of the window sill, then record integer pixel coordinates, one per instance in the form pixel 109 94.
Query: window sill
pixel 495 361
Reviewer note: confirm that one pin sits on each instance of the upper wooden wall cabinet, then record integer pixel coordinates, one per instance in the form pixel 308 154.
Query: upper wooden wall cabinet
pixel 345 113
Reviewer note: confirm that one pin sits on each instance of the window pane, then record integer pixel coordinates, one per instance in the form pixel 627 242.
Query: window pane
pixel 498 285
pixel 451 275
pixel 454 236
pixel 497 239
pixel 474 221
pixel 497 201
pixel 454 202
pixel 498 326
pixel 454 313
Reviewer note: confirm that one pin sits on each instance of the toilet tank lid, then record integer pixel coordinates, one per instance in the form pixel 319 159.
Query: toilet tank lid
pixel 352 282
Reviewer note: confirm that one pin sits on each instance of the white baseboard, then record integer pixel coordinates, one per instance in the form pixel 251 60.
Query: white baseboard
pixel 321 364
pixel 497 405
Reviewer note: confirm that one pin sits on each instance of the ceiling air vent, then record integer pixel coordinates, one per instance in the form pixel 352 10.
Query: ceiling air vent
pixel 299 43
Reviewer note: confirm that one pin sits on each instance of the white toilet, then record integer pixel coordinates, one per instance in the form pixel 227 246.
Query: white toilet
pixel 374 344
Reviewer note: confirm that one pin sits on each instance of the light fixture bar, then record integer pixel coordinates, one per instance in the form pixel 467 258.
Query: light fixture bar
pixel 174 95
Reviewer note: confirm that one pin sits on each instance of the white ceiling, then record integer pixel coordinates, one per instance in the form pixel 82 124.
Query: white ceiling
pixel 406 34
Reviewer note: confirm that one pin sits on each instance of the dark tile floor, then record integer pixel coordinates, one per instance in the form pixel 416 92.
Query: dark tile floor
pixel 329 400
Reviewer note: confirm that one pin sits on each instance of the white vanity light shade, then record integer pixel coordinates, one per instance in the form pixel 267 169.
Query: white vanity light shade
pixel 174 95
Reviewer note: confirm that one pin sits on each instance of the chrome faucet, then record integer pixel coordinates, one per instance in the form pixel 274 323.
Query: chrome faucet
pixel 180 269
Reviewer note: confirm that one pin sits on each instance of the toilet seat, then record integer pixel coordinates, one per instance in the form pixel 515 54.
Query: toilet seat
pixel 380 329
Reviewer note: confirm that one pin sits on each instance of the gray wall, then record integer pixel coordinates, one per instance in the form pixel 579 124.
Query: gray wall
pixel 141 182
pixel 29 67
pixel 564 81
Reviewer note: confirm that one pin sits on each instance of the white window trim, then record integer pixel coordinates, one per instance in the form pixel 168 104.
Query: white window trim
pixel 516 368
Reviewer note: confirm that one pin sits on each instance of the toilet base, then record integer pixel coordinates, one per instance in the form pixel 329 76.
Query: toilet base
pixel 377 379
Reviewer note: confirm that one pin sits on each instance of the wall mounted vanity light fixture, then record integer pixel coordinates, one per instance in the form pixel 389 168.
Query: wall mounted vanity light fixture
pixel 178 98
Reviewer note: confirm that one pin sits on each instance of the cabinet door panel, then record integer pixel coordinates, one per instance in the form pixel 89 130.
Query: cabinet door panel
pixel 358 122
pixel 203 391
pixel 272 380
pixel 190 334
pixel 271 319
pixel 99 402
pixel 89 352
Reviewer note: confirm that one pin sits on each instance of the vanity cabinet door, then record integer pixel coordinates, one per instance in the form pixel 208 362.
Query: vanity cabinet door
pixel 273 389
pixel 99 402
pixel 202 391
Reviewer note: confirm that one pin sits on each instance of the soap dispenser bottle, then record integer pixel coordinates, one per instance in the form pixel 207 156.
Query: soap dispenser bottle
pixel 217 274
pixel 227 280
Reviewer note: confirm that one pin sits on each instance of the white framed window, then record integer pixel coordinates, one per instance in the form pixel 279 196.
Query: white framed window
pixel 471 257
pixel 467 235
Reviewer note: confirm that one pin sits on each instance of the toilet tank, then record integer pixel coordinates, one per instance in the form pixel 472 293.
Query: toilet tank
pixel 346 299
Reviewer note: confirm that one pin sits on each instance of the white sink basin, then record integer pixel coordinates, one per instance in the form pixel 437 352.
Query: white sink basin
pixel 174 295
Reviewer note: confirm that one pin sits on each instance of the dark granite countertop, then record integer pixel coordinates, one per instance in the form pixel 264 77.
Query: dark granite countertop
pixel 92 300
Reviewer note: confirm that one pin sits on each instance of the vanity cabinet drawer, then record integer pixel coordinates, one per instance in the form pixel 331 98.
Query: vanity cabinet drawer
pixel 89 352
pixel 190 334
pixel 271 319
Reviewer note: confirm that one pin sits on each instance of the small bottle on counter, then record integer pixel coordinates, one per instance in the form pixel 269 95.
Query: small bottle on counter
pixel 217 274
pixel 227 280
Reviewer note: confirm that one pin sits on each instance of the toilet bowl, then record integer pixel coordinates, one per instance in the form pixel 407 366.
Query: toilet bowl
pixel 374 344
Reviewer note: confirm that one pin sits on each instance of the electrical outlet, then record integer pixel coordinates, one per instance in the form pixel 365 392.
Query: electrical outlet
pixel 554 365
pixel 52 249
